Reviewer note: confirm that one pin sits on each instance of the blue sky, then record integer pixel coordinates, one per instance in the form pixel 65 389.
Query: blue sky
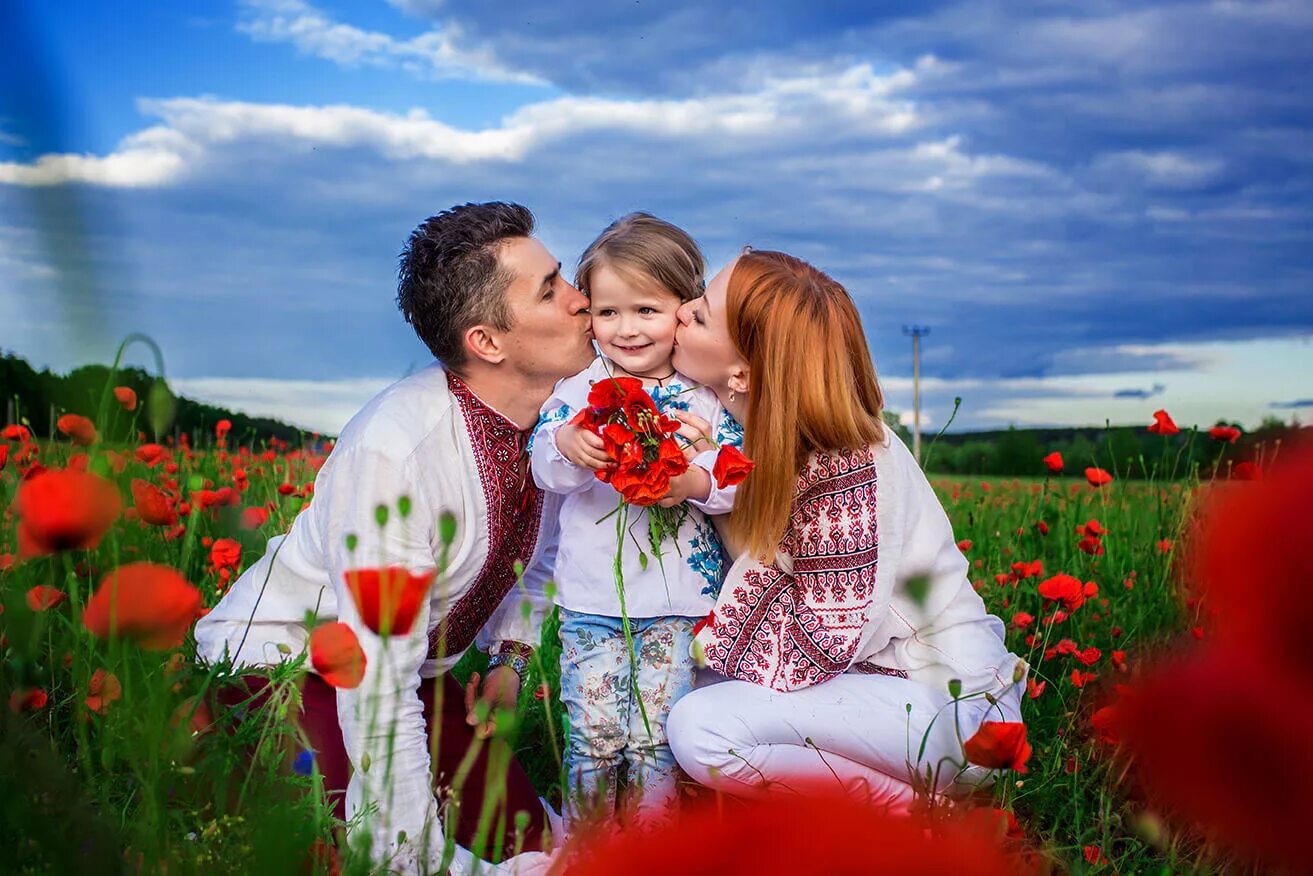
pixel 1098 208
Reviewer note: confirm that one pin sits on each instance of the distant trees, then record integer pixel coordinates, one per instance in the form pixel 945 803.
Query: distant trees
pixel 1127 451
pixel 39 398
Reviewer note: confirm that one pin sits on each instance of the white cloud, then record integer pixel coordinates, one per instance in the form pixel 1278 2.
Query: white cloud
pixel 436 53
pixel 855 100
pixel 318 405
pixel 1170 170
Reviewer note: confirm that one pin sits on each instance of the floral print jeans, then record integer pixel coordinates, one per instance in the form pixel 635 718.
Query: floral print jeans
pixel 606 724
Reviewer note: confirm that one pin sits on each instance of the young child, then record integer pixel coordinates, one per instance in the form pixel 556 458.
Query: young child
pixel 636 274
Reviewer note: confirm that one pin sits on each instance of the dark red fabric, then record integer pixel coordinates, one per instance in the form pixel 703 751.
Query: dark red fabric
pixel 319 721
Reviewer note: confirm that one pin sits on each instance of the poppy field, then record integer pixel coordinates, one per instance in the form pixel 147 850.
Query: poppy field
pixel 1166 712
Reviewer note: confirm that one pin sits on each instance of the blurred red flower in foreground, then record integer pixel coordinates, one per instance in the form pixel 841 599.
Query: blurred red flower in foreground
pixel 1054 462
pixel 152 605
pixel 103 689
pixel 1221 739
pixel 336 655
pixel 1229 434
pixel 1162 424
pixel 126 396
pixel 62 510
pixel 1097 477
pixel 999 745
pixel 388 599
pixel 788 835
pixel 78 428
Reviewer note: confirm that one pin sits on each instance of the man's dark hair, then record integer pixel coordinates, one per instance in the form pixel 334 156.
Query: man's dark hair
pixel 450 278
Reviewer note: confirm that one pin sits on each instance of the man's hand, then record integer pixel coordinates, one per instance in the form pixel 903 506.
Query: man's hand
pixel 582 447
pixel 692 484
pixel 501 690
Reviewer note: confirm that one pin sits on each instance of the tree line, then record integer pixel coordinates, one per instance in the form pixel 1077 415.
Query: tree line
pixel 38 399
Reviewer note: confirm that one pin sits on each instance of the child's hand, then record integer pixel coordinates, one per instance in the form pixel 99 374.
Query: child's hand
pixel 692 484
pixel 582 447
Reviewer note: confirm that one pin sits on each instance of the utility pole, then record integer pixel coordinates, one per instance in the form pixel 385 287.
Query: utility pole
pixel 916 332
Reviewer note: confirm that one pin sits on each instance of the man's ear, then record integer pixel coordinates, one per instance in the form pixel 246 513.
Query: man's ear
pixel 484 343
pixel 740 379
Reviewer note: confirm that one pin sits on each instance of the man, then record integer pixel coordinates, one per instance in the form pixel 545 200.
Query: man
pixel 444 444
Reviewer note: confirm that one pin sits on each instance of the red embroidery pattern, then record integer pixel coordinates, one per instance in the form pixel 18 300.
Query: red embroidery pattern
pixel 791 631
pixel 515 506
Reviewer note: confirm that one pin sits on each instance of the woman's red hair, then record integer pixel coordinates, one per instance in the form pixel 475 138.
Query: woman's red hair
pixel 813 385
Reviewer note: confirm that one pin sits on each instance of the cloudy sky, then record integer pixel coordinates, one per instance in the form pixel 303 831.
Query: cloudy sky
pixel 1097 208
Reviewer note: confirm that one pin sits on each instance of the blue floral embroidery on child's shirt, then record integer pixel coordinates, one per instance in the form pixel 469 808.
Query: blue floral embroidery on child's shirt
pixel 729 431
pixel 556 415
pixel 670 398
pixel 706 557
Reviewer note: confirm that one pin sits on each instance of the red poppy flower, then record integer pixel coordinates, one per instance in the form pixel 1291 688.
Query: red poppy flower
pixel 149 604
pixel 1092 527
pixel 64 510
pixel 336 655
pixel 388 599
pixel 787 834
pixel 999 745
pixel 43 597
pixel 222 428
pixel 1022 619
pixel 1088 656
pixel 78 428
pixel 103 689
pixel 27 699
pixel 225 553
pixel 16 432
pixel 1104 723
pixel 1065 589
pixel 1034 689
pixel 1243 471
pixel 254 518
pixel 126 396
pixel 1090 545
pixel 1250 541
pixel 1080 679
pixel 1095 856
pixel 1162 424
pixel 1229 434
pixel 1054 462
pixel 150 454
pixel 153 507
pixel 4 455
pixel 731 467
pixel 1222 742
pixel 1097 477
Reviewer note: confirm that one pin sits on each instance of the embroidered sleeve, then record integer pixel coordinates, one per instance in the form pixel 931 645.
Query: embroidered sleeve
pixel 797 622
pixel 552 471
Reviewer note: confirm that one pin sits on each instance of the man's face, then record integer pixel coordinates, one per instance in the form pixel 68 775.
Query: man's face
pixel 550 334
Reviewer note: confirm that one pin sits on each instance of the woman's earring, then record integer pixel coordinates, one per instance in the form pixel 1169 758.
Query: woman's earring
pixel 731 396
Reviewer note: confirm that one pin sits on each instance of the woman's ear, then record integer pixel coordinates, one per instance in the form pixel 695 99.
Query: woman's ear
pixel 739 379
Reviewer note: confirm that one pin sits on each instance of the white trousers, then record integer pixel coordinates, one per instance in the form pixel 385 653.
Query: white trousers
pixel 856 731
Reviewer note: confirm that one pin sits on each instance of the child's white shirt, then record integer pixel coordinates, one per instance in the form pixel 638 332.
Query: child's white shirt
pixel 693 560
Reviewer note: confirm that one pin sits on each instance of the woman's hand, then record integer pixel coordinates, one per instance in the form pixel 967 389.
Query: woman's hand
pixel 696 431
pixel 582 447
pixel 692 484
pixel 499 693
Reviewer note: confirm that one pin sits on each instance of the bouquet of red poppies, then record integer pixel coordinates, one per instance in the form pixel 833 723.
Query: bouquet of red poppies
pixel 638 438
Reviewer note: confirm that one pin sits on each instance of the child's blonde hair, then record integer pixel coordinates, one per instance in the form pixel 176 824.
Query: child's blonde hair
pixel 647 250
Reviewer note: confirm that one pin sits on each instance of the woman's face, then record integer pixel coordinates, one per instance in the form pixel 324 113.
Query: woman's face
pixel 703 349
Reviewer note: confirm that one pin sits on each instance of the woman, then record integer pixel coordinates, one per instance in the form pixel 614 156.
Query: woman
pixel 847 615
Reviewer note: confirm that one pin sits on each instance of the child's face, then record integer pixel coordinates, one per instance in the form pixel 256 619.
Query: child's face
pixel 634 325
